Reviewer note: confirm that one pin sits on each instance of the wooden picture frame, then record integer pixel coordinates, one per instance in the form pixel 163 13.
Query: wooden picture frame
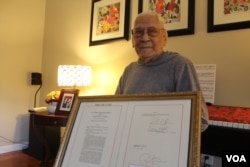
pixel 66 101
pixel 179 17
pixel 109 21
pixel 133 131
pixel 226 15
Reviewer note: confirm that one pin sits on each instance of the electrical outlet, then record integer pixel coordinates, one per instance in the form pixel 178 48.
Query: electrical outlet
pixel 208 158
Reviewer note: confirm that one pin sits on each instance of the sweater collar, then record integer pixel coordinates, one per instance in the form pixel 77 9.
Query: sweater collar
pixel 153 62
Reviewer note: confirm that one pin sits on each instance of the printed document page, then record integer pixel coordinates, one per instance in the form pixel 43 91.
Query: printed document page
pixel 206 76
pixel 130 134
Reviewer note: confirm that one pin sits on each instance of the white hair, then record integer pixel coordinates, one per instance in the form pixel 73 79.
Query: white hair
pixel 150 13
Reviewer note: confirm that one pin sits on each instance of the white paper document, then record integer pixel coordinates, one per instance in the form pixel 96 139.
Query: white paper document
pixel 206 76
pixel 130 134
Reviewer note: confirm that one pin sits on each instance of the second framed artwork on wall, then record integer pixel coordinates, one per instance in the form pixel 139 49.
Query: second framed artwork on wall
pixel 178 15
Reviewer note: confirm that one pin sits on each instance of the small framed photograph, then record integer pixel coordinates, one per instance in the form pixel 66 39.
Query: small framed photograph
pixel 109 21
pixel 66 100
pixel 226 15
pixel 178 15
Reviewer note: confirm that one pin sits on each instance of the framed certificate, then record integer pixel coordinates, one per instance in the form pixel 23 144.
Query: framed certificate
pixel 149 130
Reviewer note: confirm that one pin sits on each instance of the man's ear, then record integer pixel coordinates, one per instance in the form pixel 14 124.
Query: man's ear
pixel 133 42
pixel 165 38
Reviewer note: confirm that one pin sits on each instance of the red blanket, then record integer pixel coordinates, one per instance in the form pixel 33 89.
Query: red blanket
pixel 229 114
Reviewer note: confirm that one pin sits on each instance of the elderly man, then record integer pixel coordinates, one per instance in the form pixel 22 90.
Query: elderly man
pixel 156 70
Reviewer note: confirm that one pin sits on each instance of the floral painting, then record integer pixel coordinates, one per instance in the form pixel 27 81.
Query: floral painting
pixel 224 15
pixel 178 15
pixel 168 9
pixel 108 19
pixel 236 6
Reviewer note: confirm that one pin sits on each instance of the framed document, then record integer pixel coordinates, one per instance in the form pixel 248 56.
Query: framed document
pixel 149 130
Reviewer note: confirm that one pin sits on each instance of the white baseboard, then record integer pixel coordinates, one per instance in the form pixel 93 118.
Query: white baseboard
pixel 13 147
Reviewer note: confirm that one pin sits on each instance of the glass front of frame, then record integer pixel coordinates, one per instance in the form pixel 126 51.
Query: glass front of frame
pixel 133 131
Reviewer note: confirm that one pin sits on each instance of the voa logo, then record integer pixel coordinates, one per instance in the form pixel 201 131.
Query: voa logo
pixel 236 158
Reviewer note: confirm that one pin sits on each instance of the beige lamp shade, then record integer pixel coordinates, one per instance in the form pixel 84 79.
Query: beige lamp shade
pixel 74 75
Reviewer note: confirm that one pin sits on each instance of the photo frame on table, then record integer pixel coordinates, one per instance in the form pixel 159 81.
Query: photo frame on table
pixel 133 131
pixel 227 15
pixel 109 21
pixel 178 15
pixel 66 101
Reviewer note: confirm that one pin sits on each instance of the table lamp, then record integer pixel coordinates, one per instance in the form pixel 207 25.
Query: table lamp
pixel 74 75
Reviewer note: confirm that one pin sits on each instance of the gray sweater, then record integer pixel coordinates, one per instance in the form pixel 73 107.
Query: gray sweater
pixel 170 72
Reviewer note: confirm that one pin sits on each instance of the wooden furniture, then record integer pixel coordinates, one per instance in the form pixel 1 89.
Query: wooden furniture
pixel 38 122
pixel 18 159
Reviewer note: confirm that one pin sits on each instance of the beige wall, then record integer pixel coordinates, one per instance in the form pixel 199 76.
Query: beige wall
pixel 21 42
pixel 66 41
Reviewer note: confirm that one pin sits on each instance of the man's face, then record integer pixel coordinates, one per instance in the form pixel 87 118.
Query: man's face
pixel 149 37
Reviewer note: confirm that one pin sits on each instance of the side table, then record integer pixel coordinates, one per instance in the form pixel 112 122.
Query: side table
pixel 47 119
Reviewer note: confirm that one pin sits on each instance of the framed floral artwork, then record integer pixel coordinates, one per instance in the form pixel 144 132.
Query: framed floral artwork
pixel 66 101
pixel 228 15
pixel 178 15
pixel 109 21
